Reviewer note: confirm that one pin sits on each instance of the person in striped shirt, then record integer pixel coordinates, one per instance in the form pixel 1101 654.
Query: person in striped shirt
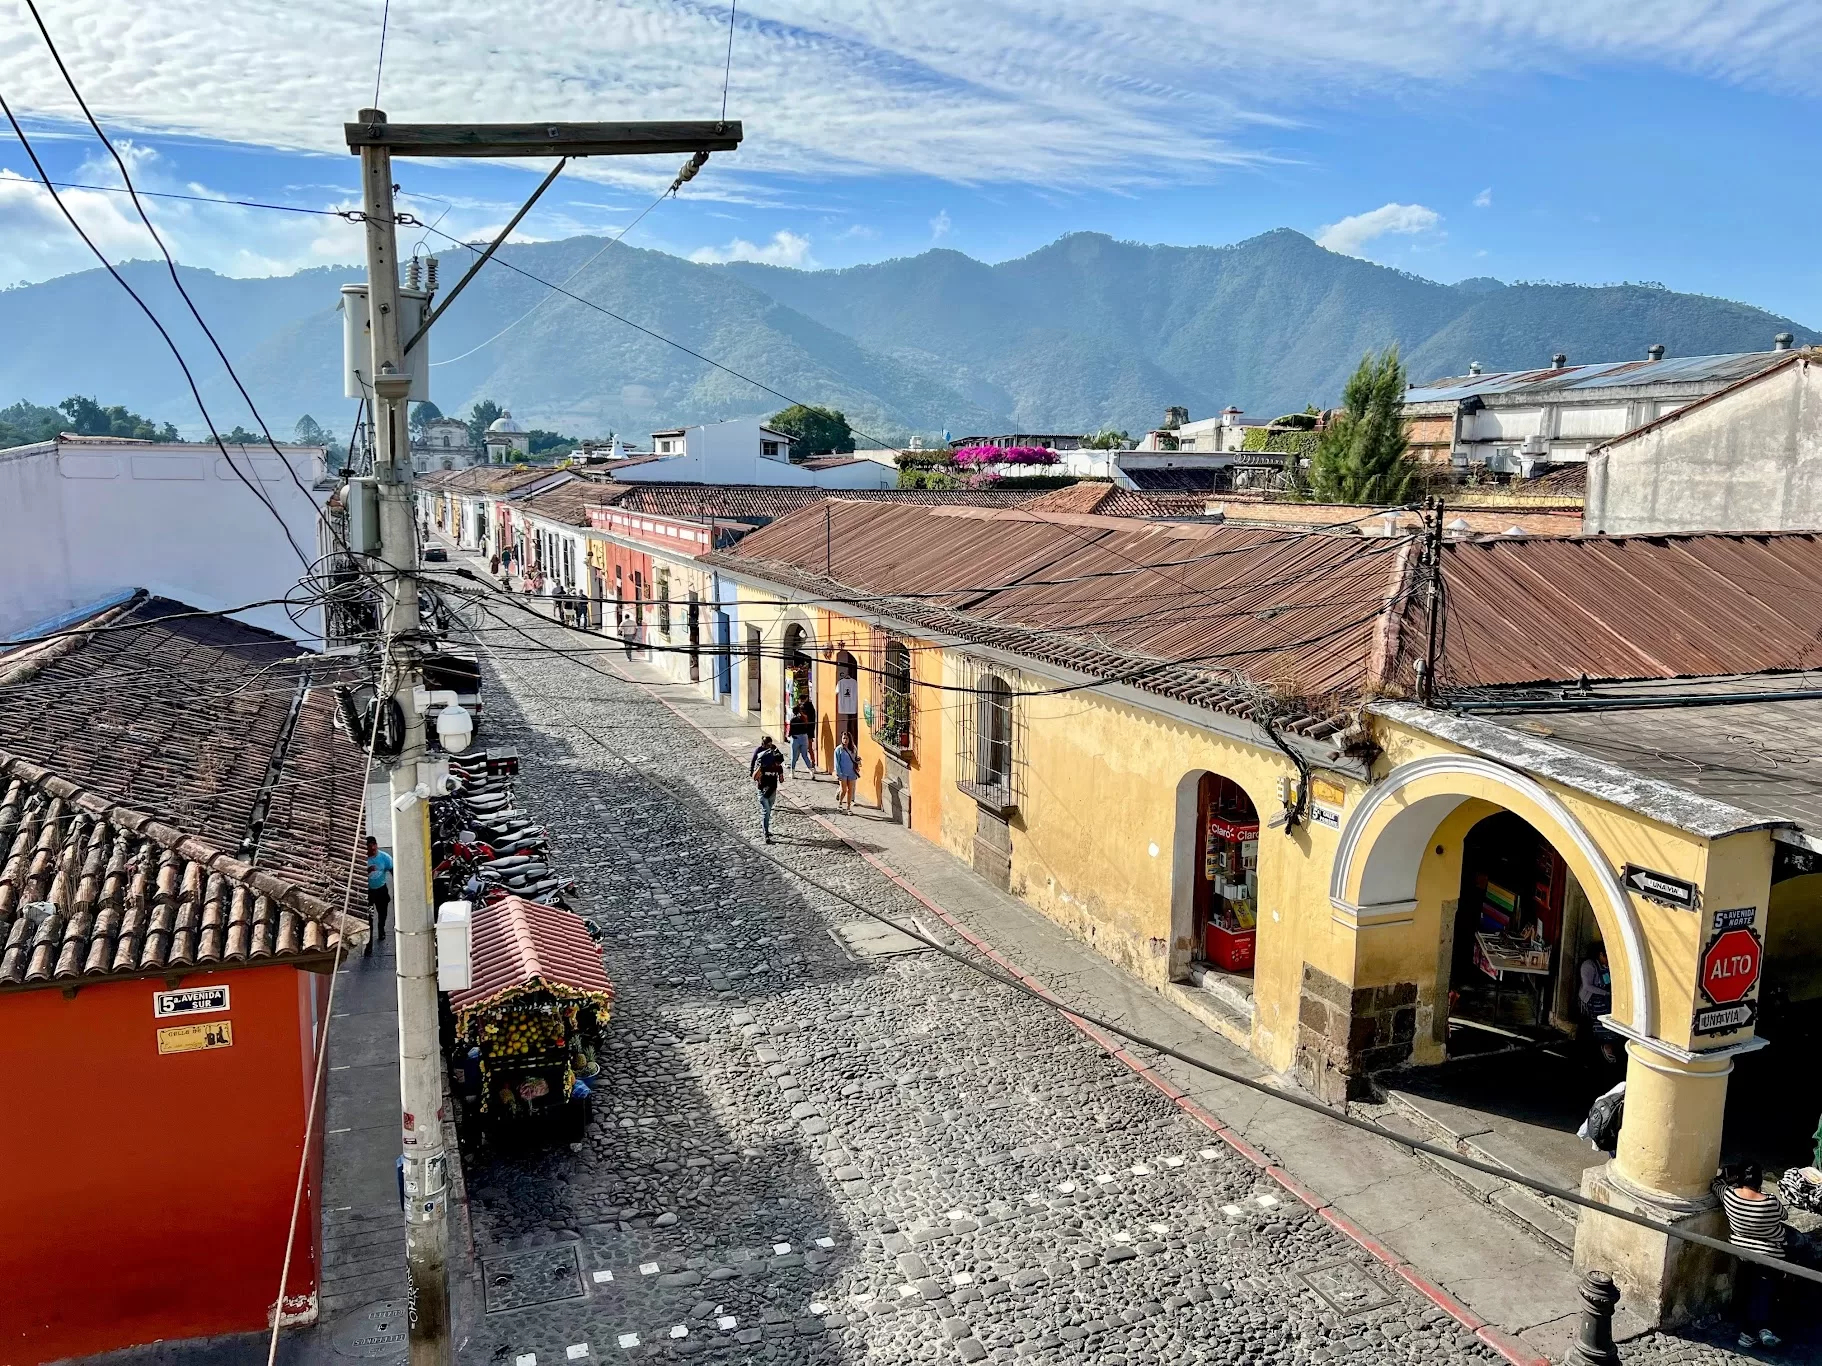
pixel 1755 1221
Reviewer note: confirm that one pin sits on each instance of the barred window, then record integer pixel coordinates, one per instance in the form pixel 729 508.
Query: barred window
pixel 989 760
pixel 664 602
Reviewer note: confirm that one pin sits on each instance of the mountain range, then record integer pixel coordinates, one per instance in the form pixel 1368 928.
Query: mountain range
pixel 1082 334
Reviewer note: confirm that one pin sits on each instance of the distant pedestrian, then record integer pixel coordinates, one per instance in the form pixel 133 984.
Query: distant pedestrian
pixel 809 709
pixel 629 633
pixel 768 771
pixel 1755 1221
pixel 803 724
pixel 379 890
pixel 847 773
pixel 493 565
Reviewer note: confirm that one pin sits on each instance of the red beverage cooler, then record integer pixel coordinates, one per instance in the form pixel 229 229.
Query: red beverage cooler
pixel 1229 950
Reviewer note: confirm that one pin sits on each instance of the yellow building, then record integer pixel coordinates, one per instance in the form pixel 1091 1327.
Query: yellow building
pixel 1184 743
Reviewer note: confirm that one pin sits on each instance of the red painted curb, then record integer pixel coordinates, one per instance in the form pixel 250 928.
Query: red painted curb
pixel 1296 1188
pixel 1443 1301
pixel 1347 1226
pixel 1512 1351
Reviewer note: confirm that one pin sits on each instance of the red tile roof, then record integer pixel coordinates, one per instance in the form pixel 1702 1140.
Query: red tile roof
pixel 92 889
pixel 519 943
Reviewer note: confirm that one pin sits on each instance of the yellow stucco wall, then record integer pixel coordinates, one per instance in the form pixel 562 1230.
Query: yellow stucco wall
pixel 1793 938
pixel 1095 841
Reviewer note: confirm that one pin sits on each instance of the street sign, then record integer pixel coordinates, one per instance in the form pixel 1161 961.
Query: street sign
pixel 189 1001
pixel 196 1038
pixel 1730 966
pixel 1726 1019
pixel 1662 888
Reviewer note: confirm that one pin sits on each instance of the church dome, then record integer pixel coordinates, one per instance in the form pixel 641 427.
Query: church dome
pixel 505 425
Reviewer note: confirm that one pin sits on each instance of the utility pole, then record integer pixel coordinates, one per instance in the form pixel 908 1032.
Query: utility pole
pixel 420 1060
pixel 420 1054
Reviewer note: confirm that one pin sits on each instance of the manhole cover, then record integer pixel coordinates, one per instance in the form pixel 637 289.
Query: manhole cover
pixel 872 939
pixel 374 1333
pixel 1347 1288
pixel 541 1276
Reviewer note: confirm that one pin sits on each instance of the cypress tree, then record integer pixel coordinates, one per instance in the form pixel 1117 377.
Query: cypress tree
pixel 1363 455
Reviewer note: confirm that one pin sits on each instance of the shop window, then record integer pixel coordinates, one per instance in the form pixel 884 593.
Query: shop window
pixel 892 717
pixel 1227 884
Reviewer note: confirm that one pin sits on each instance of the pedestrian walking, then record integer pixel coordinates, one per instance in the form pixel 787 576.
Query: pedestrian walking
pixel 493 566
pixel 802 724
pixel 768 770
pixel 629 633
pixel 847 773
pixel 1755 1220
pixel 379 890
pixel 809 709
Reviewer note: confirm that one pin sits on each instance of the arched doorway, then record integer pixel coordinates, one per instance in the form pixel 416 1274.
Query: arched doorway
pixel 1215 892
pixel 1518 942
pixel 847 698
pixel 794 690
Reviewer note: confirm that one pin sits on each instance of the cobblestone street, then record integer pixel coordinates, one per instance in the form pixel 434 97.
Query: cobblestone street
pixel 806 1149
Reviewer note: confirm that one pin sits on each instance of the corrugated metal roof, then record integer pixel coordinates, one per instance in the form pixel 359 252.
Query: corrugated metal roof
pixel 1523 611
pixel 1613 374
pixel 516 943
pixel 1182 610
pixel 763 502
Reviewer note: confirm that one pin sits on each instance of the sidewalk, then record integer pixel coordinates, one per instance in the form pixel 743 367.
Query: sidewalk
pixel 1492 1270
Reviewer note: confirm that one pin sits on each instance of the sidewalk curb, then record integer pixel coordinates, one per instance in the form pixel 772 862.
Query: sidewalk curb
pixel 1510 1349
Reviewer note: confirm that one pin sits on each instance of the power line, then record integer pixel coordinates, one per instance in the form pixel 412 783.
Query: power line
pixel 119 279
pixel 1125 1032
pixel 171 265
pixel 352 215
pixel 728 71
pixel 380 65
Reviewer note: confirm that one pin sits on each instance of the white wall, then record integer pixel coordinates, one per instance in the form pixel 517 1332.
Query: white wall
pixel 1750 460
pixel 728 453
pixel 81 521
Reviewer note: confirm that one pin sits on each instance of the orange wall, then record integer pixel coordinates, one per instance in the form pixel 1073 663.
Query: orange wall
pixel 146 1196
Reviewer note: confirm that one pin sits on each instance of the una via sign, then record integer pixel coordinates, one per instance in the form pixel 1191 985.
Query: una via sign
pixel 1661 888
pixel 189 1001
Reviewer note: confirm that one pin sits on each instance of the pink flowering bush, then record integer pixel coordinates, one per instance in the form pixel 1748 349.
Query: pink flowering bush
pixel 1005 455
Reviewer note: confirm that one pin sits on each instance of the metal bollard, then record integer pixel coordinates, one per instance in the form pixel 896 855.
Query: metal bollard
pixel 1594 1342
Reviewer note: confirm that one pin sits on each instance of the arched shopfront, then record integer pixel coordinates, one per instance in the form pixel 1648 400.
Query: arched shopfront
pixel 1215 879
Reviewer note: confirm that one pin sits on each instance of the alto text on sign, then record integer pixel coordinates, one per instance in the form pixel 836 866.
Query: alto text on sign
pixel 196 1038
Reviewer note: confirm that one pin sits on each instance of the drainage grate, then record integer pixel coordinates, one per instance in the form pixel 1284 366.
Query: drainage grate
pixel 543 1275
pixel 1347 1288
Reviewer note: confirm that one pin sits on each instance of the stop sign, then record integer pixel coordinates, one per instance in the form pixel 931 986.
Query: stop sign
pixel 1730 966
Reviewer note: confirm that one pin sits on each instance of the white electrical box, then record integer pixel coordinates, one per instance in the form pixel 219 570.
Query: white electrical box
pixel 357 342
pixel 455 946
pixel 363 500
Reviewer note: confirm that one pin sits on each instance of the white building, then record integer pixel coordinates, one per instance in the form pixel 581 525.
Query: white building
pixel 1515 422
pixel 83 518
pixel 1746 458
pixel 746 451
pixel 445 444
pixel 506 440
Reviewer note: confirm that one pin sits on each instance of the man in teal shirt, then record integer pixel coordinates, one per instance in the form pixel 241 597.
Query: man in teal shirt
pixel 379 892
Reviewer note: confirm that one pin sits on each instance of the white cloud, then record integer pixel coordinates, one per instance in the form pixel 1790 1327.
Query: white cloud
pixel 1018 91
pixel 940 225
pixel 1351 235
pixel 785 249
pixel 1484 198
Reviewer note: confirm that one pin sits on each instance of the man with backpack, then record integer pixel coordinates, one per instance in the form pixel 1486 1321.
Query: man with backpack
pixel 767 769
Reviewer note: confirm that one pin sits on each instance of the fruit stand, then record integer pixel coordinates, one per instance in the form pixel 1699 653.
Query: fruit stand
pixel 526 1035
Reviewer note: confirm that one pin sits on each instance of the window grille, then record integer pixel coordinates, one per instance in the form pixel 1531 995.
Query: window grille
pixel 664 602
pixel 990 748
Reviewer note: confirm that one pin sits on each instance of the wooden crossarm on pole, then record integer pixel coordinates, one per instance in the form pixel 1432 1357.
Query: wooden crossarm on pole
pixel 544 139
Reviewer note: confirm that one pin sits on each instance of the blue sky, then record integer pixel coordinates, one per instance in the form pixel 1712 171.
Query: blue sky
pixel 1551 140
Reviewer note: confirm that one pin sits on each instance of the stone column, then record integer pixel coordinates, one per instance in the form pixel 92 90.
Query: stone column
pixel 1669 1147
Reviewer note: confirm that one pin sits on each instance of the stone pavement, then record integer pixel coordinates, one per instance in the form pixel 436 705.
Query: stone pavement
pixel 663 848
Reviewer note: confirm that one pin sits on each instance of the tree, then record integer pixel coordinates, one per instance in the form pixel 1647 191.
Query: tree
pixel 240 436
pixel 1107 439
pixel 1364 455
pixel 89 418
pixel 813 431
pixel 24 423
pixel 422 415
pixel 541 442
pixel 479 416
pixel 310 432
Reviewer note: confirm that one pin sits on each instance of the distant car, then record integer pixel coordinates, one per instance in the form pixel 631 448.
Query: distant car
pixel 436 555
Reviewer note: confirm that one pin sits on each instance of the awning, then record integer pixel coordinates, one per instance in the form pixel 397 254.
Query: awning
pixel 520 945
